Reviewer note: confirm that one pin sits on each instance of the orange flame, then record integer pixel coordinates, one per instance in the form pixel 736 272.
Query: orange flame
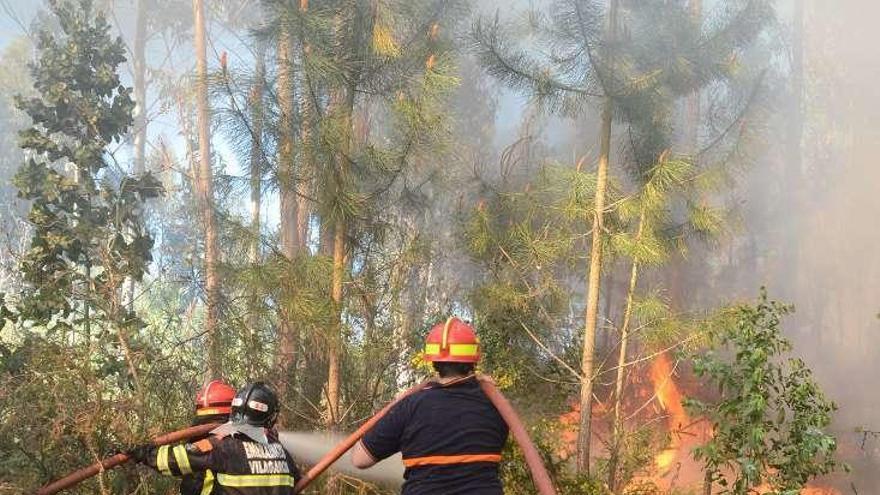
pixel 669 397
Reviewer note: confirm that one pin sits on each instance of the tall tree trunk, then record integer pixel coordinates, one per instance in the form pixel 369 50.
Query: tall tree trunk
pixel 256 157
pixel 290 241
pixel 333 353
pixel 345 104
pixel 692 137
pixel 306 168
pixel 140 89
pixel 592 303
pixel 206 192
pixel 256 183
pixel 139 114
pixel 618 432
pixel 793 177
pixel 676 269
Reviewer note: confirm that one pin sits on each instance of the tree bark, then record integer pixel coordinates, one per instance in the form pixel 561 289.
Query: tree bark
pixel 793 176
pixel 617 433
pixel 594 274
pixel 140 89
pixel 290 241
pixel 676 269
pixel 256 156
pixel 306 168
pixel 692 137
pixel 206 192
pixel 139 114
pixel 344 103
pixel 334 341
pixel 255 99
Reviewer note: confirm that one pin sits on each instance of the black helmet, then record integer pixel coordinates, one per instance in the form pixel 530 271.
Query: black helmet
pixel 255 404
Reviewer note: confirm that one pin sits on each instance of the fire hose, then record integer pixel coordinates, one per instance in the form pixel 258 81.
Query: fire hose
pixel 349 442
pixel 121 458
pixel 532 457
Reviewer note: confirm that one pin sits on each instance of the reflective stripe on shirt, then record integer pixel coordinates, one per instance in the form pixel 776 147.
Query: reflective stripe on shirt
pixel 435 460
pixel 208 484
pixel 182 460
pixel 245 480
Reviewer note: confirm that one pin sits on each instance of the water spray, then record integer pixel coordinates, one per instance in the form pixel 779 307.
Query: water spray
pixel 382 472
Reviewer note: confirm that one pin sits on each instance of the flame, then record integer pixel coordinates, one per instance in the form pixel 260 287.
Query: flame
pixel 669 397
pixel 570 425
pixel 664 459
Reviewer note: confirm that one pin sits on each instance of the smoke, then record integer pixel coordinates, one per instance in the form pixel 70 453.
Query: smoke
pixel 828 213
pixel 308 448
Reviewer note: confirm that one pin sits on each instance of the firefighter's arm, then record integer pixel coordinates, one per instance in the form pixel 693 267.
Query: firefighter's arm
pixel 383 440
pixel 361 457
pixel 177 460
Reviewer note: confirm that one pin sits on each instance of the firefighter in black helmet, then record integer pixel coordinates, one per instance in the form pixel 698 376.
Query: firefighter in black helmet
pixel 241 457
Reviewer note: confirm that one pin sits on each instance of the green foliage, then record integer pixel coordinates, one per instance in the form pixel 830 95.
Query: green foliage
pixel 526 237
pixel 770 419
pixel 517 478
pixel 88 228
pixel 68 329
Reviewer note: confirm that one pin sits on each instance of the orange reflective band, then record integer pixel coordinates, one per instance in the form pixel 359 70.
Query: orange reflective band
pixel 210 411
pixel 438 460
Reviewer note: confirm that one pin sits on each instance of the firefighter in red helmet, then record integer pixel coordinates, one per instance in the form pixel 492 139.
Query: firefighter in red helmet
pixel 213 405
pixel 450 434
pixel 241 457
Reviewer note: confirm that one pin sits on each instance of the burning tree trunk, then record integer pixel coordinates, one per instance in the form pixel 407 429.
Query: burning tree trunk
pixel 595 269
pixel 205 191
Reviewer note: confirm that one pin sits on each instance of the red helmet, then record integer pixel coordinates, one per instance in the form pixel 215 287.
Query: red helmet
pixel 215 398
pixel 452 342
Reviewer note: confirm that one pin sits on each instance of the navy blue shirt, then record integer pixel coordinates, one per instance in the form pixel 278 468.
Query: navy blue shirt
pixel 448 422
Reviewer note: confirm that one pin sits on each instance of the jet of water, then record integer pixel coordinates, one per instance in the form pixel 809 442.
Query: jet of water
pixel 308 447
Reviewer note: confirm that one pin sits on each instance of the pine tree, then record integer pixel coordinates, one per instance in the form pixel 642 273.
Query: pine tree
pixel 347 58
pixel 204 180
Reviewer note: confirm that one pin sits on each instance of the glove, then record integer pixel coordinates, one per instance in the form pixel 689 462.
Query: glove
pixel 139 453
